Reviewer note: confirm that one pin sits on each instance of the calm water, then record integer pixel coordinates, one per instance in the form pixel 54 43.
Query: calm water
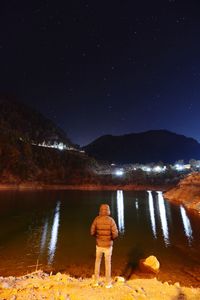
pixel 51 228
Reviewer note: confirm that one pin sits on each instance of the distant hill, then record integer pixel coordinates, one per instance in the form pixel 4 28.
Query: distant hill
pixel 24 157
pixel 18 120
pixel 145 147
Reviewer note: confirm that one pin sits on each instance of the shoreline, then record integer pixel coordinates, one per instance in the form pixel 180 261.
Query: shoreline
pixel 82 187
pixel 186 193
pixel 40 285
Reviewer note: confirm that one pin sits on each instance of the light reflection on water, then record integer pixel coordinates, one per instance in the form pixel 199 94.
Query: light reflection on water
pixel 49 235
pixel 186 224
pixel 163 218
pixel 152 214
pixel 44 236
pixel 120 211
pixel 54 231
pixel 54 234
pixel 136 204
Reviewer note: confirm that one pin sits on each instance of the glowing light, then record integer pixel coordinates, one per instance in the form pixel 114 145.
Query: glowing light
pixel 152 214
pixel 136 204
pixel 179 167
pixel 44 236
pixel 163 218
pixel 54 233
pixel 119 173
pixel 186 224
pixel 120 211
pixel 157 169
pixel 146 169
pixel 61 146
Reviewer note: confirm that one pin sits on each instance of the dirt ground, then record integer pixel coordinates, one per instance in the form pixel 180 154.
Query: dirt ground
pixel 39 285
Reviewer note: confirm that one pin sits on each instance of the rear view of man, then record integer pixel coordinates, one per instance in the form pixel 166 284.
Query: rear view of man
pixel 105 230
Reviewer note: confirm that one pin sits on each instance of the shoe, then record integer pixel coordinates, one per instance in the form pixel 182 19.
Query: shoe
pixel 95 284
pixel 108 285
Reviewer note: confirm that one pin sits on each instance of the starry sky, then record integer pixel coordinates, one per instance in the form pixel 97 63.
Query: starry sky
pixel 104 67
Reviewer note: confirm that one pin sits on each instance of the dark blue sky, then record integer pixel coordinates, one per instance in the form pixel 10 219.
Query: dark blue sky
pixel 104 67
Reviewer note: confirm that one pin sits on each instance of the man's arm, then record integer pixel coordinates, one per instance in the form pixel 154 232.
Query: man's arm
pixel 114 230
pixel 93 228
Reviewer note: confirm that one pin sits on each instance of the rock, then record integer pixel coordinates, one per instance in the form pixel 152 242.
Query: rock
pixel 5 285
pixel 150 264
pixel 119 279
pixel 177 284
pixel 58 276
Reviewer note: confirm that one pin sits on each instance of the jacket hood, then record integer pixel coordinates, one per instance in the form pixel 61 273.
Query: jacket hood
pixel 104 210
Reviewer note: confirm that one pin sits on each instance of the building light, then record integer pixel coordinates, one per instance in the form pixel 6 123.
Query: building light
pixel 157 169
pixel 179 167
pixel 119 172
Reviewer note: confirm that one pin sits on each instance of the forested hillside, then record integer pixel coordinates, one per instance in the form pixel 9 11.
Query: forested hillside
pixel 22 129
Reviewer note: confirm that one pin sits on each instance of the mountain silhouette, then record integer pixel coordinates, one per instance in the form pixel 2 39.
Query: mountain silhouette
pixel 145 147
pixel 19 121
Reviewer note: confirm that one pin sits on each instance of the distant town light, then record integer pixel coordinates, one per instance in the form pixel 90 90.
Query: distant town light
pixel 119 172
pixel 148 169
pixel 157 169
pixel 61 146
pixel 179 167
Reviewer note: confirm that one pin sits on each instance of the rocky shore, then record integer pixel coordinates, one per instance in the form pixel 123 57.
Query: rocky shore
pixel 39 285
pixel 187 192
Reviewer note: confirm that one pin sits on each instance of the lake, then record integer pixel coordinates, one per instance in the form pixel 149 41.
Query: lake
pixel 51 230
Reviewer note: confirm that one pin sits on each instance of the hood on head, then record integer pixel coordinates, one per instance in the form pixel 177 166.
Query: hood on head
pixel 104 210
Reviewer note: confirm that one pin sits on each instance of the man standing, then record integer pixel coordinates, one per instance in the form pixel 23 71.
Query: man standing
pixel 105 230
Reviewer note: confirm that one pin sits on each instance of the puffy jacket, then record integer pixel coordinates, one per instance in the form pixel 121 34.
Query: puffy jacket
pixel 104 228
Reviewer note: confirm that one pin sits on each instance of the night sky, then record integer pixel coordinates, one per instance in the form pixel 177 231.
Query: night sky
pixel 104 67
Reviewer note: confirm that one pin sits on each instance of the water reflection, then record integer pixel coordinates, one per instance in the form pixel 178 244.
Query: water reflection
pixel 21 230
pixel 54 234
pixel 152 214
pixel 120 210
pixel 136 204
pixel 186 224
pixel 44 236
pixel 163 218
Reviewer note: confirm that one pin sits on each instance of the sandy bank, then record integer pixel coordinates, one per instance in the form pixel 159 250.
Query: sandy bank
pixel 39 285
